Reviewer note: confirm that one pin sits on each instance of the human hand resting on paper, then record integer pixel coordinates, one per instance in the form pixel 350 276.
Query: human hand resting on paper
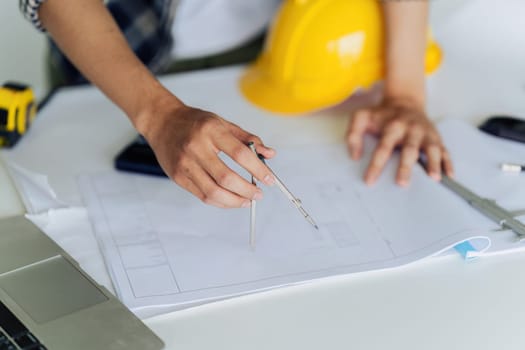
pixel 398 122
pixel 187 143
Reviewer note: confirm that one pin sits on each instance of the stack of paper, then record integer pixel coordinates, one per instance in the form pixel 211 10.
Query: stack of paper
pixel 166 250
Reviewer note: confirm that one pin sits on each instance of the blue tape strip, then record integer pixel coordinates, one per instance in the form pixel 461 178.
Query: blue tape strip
pixel 464 248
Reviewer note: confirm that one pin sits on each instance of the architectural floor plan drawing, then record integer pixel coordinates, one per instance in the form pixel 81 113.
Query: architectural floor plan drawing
pixel 166 249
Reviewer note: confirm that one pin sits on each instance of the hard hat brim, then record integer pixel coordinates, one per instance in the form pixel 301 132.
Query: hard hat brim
pixel 259 89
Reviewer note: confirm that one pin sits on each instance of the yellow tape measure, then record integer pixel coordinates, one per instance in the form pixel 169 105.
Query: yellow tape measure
pixel 17 112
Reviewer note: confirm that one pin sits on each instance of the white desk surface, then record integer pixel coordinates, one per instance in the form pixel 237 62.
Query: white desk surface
pixel 436 304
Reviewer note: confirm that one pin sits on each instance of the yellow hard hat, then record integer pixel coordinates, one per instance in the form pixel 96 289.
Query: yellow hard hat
pixel 318 52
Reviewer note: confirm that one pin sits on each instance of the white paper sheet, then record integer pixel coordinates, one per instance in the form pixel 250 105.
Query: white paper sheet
pixel 477 157
pixel 166 249
pixel 34 189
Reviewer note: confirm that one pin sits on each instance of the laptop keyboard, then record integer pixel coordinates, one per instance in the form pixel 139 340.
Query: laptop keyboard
pixel 14 335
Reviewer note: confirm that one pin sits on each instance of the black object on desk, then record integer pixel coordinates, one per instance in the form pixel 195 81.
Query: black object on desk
pixel 506 127
pixel 138 157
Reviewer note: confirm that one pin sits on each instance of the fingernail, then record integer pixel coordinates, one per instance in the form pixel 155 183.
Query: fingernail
pixel 246 204
pixel 356 153
pixel 269 180
pixel 257 196
pixel 435 176
pixel 402 183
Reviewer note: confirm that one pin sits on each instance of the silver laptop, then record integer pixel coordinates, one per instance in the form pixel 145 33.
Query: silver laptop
pixel 48 302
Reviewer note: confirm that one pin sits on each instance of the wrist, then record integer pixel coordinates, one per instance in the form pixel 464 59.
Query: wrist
pixel 406 94
pixel 404 100
pixel 405 85
pixel 153 109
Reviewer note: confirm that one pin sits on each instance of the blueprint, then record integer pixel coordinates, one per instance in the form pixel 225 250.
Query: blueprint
pixel 166 250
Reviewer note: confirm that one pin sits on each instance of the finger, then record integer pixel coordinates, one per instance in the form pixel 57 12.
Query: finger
pixel 213 194
pixel 447 162
pixel 247 137
pixel 394 133
pixel 189 185
pixel 230 180
pixel 409 155
pixel 356 132
pixel 433 152
pixel 242 154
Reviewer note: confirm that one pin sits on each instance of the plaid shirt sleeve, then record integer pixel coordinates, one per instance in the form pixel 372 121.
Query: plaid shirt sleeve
pixel 29 9
pixel 146 24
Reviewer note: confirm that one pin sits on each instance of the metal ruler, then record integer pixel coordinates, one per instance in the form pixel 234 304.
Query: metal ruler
pixel 488 207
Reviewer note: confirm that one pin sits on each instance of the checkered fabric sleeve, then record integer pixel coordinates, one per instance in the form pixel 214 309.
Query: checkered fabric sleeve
pixel 29 9
pixel 146 24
